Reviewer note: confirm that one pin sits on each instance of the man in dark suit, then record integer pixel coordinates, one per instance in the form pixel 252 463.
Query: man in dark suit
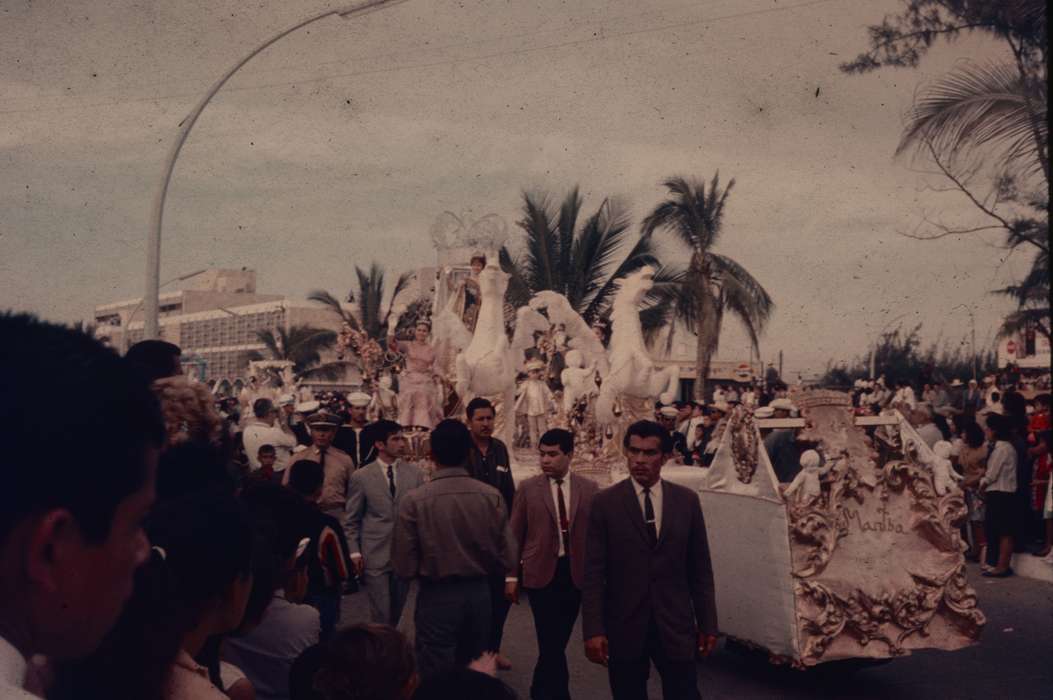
pixel 648 593
pixel 488 462
pixel 550 517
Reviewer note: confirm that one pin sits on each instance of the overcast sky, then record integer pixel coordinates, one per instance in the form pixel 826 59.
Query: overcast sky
pixel 341 144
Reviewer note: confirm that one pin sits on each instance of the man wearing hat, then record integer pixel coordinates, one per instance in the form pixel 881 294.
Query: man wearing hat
pixel 667 416
pixel 781 443
pixel 336 463
pixel 290 421
pixel 350 436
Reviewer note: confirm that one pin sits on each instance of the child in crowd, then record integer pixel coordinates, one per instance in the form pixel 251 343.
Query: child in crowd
pixel 328 562
pixel 267 456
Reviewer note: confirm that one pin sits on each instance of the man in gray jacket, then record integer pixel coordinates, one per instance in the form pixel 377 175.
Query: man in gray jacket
pixel 453 535
pixel 373 496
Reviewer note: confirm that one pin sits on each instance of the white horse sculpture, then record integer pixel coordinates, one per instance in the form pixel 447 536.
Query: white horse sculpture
pixel 486 363
pixel 633 375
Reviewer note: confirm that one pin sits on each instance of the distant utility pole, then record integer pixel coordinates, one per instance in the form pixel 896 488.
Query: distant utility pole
pixel 780 364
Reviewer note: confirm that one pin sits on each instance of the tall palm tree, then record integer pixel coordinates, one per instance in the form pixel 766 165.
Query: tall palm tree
pixel 580 260
pixel 713 283
pixel 302 345
pixel 369 314
pixel 1032 293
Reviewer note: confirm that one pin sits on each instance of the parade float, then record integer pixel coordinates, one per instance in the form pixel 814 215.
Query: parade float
pixel 859 557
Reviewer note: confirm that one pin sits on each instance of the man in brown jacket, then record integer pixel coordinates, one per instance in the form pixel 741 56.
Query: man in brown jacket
pixel 452 534
pixel 550 517
pixel 648 593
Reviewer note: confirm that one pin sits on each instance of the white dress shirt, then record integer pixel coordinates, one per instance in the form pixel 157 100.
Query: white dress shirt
pixel 1001 468
pixel 554 490
pixel 257 434
pixel 656 502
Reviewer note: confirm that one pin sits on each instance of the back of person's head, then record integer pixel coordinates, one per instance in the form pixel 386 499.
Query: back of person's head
pixel 192 468
pixel 366 662
pixel 302 674
pixel 281 516
pixel 262 408
pixel 450 443
pixel 71 474
pixel 1000 426
pixel 974 435
pixel 189 412
pixel 995 397
pixel 306 477
pixel 649 429
pixel 201 558
pixel 476 404
pixel 558 437
pixel 154 359
pixel 266 450
pixel 463 683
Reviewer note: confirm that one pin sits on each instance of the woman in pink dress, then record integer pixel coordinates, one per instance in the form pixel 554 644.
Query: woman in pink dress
pixel 418 404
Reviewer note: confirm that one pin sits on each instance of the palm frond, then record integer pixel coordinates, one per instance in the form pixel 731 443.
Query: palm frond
pixel 745 295
pixel 566 228
pixel 541 250
pixel 519 289
pixel 595 250
pixel 974 106
pixel 323 297
pixel 268 338
pixel 328 371
pixel 642 253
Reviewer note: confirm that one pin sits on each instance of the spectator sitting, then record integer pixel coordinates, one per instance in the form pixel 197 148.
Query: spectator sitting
pixel 266 652
pixel 368 662
pixel 70 533
pixel 921 419
pixel 328 563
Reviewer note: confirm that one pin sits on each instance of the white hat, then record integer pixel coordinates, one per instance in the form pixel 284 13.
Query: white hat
pixel 956 382
pixel 782 405
pixel 764 412
pixel 359 399
pixel 307 406
pixel 535 364
pixel 286 400
pixel 669 411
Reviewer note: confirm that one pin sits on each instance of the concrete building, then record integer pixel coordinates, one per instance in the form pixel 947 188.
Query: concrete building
pixel 215 321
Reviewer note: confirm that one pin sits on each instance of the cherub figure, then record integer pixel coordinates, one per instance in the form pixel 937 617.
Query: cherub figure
pixel 535 401
pixel 807 485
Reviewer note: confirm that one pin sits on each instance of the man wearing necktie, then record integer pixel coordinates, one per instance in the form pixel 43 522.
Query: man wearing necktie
pixel 373 497
pixel 550 515
pixel 336 463
pixel 648 588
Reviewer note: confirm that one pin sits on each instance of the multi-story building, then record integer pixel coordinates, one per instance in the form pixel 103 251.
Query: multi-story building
pixel 215 321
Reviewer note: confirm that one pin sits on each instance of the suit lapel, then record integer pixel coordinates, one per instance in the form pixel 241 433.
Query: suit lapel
pixel 632 505
pixel 575 498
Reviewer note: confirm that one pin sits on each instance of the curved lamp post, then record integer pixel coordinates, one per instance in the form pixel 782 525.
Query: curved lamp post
pixel 153 247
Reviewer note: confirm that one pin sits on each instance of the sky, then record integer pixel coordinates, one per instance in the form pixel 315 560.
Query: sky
pixel 340 145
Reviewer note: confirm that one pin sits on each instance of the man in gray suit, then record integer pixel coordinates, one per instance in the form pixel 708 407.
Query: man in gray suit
pixel 648 591
pixel 374 493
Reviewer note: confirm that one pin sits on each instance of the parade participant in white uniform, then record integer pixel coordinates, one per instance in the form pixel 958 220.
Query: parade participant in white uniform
pixel 535 401
pixel 265 429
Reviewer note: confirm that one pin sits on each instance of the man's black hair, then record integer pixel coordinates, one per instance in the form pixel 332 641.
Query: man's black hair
pixel 266 450
pixel 381 430
pixel 47 466
pixel 450 442
pixel 558 437
pixel 477 404
pixel 306 477
pixel 154 359
pixel 262 407
pixel 649 429
pixel 463 683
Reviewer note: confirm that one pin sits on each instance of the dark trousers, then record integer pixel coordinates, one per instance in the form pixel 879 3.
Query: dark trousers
pixel 498 612
pixel 327 603
pixel 628 677
pixel 453 623
pixel 555 608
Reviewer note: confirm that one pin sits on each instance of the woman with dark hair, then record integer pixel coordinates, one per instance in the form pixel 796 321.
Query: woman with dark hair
pixel 195 586
pixel 998 484
pixel 972 458
pixel 366 662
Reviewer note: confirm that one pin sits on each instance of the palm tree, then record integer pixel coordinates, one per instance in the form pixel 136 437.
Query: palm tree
pixel 369 314
pixel 580 260
pixel 975 106
pixel 713 284
pixel 1032 293
pixel 302 345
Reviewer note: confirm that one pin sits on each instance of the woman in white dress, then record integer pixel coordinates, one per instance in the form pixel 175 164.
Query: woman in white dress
pixel 417 399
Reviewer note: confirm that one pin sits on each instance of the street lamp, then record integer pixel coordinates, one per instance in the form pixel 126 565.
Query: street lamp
pixel 153 246
pixel 126 320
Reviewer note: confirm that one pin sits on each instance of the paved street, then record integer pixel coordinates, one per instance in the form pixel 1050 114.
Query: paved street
pixel 1012 660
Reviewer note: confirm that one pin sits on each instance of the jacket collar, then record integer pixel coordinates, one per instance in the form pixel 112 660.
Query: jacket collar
pixel 447 472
